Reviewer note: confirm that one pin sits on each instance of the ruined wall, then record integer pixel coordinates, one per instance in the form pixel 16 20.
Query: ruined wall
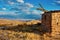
pixel 46 21
pixel 56 24
pixel 51 20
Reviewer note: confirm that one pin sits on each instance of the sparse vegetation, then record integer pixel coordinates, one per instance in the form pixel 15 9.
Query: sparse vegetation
pixel 25 31
pixel 19 31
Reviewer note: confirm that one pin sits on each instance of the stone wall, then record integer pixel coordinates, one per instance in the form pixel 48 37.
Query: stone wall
pixel 51 20
pixel 46 21
pixel 55 23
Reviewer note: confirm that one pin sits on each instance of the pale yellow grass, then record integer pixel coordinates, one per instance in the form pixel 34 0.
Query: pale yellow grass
pixel 17 22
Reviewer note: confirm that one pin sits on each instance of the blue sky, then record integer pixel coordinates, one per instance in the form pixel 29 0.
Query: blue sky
pixel 26 9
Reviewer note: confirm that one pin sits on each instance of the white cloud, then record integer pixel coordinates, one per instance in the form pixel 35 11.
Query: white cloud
pixel 27 11
pixel 58 2
pixel 4 9
pixel 29 5
pixel 42 12
pixel 52 3
pixel 25 19
pixel 35 12
pixel 7 13
pixel 21 1
pixel 25 8
pixel 11 2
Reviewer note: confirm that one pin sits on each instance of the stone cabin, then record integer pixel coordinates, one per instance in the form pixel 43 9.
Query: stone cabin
pixel 51 20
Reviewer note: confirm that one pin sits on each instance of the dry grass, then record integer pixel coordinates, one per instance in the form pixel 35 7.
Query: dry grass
pixel 12 35
pixel 17 22
pixel 19 30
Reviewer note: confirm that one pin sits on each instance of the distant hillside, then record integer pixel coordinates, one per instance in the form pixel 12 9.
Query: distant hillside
pixel 17 22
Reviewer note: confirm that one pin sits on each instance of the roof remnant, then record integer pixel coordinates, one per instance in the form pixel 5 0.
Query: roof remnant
pixel 53 11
